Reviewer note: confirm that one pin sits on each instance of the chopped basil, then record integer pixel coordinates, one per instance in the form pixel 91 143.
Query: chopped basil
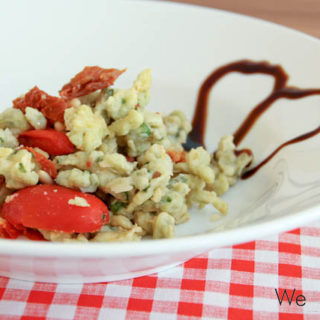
pixel 123 101
pixel 22 168
pixel 168 199
pixel 145 130
pixel 183 178
pixel 109 92
pixel 116 206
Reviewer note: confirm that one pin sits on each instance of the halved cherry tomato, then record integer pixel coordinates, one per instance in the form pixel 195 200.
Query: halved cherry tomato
pixel 89 80
pixel 46 164
pixel 52 141
pixel 51 107
pixel 8 231
pixel 47 207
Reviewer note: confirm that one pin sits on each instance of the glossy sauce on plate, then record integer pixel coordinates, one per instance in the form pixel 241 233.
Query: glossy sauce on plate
pixel 280 90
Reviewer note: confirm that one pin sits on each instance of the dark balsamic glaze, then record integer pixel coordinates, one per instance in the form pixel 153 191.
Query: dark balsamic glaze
pixel 280 90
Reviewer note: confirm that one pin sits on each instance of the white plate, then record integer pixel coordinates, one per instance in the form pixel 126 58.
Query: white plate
pixel 45 43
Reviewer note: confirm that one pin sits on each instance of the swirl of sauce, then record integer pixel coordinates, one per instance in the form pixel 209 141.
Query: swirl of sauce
pixel 280 90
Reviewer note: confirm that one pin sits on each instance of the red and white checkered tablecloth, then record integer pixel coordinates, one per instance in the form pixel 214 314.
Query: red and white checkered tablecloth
pixel 237 282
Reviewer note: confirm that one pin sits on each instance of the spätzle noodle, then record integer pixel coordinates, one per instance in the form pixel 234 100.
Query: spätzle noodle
pixel 131 158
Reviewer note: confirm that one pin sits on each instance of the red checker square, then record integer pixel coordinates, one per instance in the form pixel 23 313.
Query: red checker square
pixel 32 318
pixel 40 297
pixel 86 300
pixel 1 292
pixel 290 316
pixel 140 304
pixel 295 231
pixel 247 246
pixel 188 284
pixel 297 292
pixel 242 265
pixel 145 282
pixel 289 248
pixel 239 314
pixel 190 309
pixel 244 290
pixel 290 270
pixel 197 263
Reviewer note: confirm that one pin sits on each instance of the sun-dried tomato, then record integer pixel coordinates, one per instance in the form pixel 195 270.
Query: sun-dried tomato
pixel 35 98
pixel 177 156
pixel 46 164
pixel 89 80
pixel 51 107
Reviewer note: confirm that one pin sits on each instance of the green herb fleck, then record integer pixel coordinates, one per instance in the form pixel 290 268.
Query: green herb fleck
pixel 116 206
pixel 168 199
pixel 99 159
pixel 123 101
pixel 149 171
pixel 1 140
pixel 183 179
pixel 15 151
pixel 145 130
pixel 145 189
pixel 109 92
pixel 22 168
pixel 127 195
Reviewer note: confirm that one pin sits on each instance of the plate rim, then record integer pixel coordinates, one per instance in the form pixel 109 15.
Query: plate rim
pixel 195 242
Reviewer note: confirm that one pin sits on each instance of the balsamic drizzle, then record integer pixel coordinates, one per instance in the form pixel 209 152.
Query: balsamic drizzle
pixel 280 90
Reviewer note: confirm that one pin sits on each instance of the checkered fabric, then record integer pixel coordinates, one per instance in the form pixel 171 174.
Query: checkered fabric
pixel 237 282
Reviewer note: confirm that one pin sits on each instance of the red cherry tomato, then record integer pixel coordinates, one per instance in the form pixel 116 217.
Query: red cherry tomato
pixel 89 80
pixel 54 142
pixel 47 207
